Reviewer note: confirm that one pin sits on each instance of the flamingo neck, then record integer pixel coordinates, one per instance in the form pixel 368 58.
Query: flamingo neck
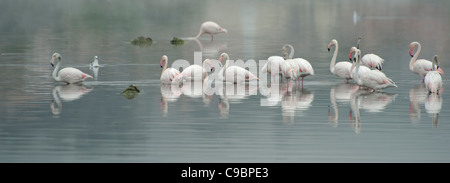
pixel 56 110
pixel 291 54
pixel 356 75
pixel 333 102
pixel 433 65
pixel 55 71
pixel 333 59
pixel 199 33
pixel 165 66
pixel 414 58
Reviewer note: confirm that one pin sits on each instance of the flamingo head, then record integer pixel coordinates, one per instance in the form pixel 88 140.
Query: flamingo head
pixel 222 57
pixel 332 43
pixel 436 61
pixel 220 29
pixel 54 57
pixel 163 59
pixel 411 48
pixel 352 50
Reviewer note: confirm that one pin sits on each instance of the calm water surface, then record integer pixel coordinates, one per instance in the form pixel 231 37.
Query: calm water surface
pixel 327 121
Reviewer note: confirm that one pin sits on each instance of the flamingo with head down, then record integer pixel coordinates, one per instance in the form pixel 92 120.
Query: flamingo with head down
pixel 168 74
pixel 421 66
pixel 234 73
pixel 69 74
pixel 195 72
pixel 210 28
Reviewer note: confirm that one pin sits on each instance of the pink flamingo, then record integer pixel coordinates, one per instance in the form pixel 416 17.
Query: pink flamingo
pixel 69 74
pixel 374 79
pixel 233 73
pixel 371 60
pixel 210 28
pixel 433 80
pixel 195 72
pixel 168 74
pixel 421 66
pixel 342 68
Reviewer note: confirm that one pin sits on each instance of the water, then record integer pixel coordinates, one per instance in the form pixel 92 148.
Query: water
pixel 327 121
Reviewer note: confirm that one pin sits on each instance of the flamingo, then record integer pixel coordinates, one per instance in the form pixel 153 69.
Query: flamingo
pixel 94 64
pixel 342 68
pixel 433 80
pixel 168 74
pixel 304 68
pixel 276 61
pixel 69 74
pixel 421 66
pixel 234 73
pixel 374 79
pixel 210 28
pixel 195 72
pixel 290 69
pixel 67 93
pixel 371 60
pixel 362 68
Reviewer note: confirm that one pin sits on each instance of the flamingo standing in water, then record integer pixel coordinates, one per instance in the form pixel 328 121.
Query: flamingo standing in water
pixel 168 74
pixel 276 61
pixel 433 80
pixel 195 72
pixel 421 66
pixel 304 68
pixel 210 28
pixel 342 68
pixel 69 74
pixel 374 79
pixel 234 73
pixel 371 60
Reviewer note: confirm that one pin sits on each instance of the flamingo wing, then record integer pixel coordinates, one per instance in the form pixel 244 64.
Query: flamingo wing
pixel 373 61
pixel 72 75
pixel 342 70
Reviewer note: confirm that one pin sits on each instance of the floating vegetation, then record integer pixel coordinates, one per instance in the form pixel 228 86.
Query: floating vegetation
pixel 131 92
pixel 176 41
pixel 142 41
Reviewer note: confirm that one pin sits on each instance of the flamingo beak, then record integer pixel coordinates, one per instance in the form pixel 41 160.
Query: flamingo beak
pixel 52 61
pixel 328 49
pixel 411 52
pixel 350 56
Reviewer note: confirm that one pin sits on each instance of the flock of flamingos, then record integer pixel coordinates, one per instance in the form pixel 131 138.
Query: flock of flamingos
pixel 365 70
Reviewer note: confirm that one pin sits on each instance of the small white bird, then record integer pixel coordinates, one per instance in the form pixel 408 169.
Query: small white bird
pixel 210 28
pixel 433 80
pixel 69 74
pixel 168 74
pixel 94 64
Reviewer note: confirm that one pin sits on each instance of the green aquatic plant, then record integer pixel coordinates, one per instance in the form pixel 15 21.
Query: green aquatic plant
pixel 131 92
pixel 142 41
pixel 176 41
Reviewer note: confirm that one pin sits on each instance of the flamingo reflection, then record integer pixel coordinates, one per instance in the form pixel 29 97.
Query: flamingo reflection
pixel 294 99
pixel 233 93
pixel 340 93
pixel 67 93
pixel 169 93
